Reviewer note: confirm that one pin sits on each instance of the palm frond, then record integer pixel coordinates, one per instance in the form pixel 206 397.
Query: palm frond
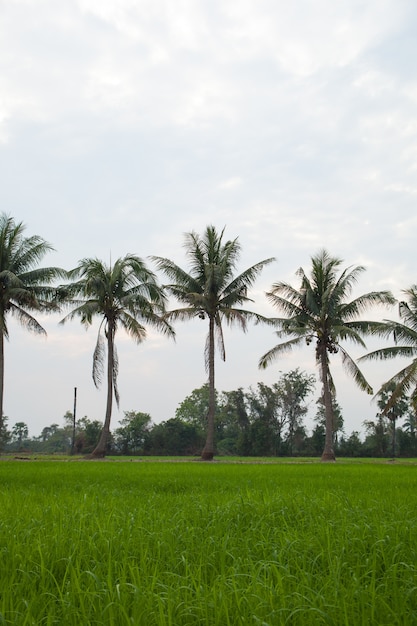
pixel 401 333
pixel 354 371
pixel 352 310
pixel 352 332
pixel 231 299
pixel 24 255
pixel 196 252
pixel 85 311
pixel 243 316
pixel 404 381
pixel 179 277
pixel 391 352
pixel 207 353
pixel 26 320
pixel 3 325
pixel 291 306
pixel 184 314
pixel 369 328
pixel 115 374
pixel 286 292
pixel 98 359
pixel 341 286
pixel 219 337
pixel 246 279
pixel 408 309
pixel 236 316
pixel 133 327
pixel 197 298
pixel 279 349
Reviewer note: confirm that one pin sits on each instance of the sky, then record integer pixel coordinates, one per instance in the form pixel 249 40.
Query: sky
pixel 126 123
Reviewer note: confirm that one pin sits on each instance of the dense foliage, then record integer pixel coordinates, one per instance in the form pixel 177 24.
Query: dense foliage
pixel 262 421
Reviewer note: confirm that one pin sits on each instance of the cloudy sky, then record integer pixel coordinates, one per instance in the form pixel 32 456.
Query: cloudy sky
pixel 125 123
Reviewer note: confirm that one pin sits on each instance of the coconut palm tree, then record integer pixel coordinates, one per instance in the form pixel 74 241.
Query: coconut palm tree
pixel 124 295
pixel 211 291
pixel 318 311
pixel 25 287
pixel 404 334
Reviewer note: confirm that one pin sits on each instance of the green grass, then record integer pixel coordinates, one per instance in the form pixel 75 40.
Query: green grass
pixel 217 544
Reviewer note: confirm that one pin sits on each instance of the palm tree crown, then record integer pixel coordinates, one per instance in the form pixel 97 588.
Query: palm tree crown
pixel 211 290
pixel 319 311
pixel 24 286
pixel 404 334
pixel 124 295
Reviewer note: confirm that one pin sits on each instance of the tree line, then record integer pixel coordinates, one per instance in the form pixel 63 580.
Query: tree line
pixel 127 294
pixel 263 421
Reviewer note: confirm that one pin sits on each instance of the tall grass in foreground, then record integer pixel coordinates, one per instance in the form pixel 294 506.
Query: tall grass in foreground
pixel 190 543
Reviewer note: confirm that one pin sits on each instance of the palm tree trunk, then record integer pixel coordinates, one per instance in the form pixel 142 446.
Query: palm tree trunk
pixel 100 449
pixel 328 452
pixel 1 387
pixel 208 450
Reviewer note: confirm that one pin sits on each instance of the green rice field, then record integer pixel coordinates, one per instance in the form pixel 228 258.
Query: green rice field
pixel 190 543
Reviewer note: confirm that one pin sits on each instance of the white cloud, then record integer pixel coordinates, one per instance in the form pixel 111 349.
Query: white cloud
pixel 231 183
pixel 306 37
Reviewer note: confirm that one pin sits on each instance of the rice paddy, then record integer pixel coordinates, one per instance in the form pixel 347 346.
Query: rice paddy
pixel 185 544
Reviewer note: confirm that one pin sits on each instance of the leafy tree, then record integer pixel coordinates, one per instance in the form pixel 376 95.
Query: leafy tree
pixel 48 432
pixel 405 442
pixel 5 434
pixel 404 334
pixel 317 440
pixel 338 420
pixel 71 427
pixel 173 437
pixel 194 408
pixel 210 290
pixel 235 424
pixel 25 287
pixel 277 410
pixel 262 438
pixel 53 438
pixel 318 311
pixel 20 432
pixel 377 441
pixel 293 388
pixel 129 438
pixel 267 420
pixel 410 423
pixel 297 444
pixel 87 435
pixel 352 446
pixel 124 295
pixel 234 406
